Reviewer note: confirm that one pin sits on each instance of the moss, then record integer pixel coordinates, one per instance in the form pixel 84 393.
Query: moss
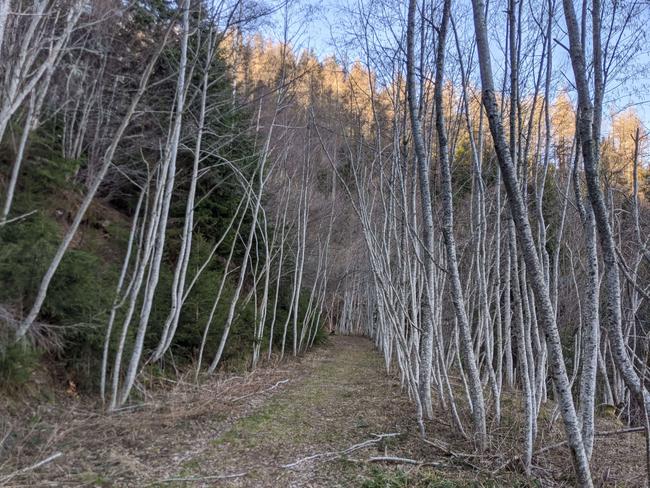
pixel 95 480
pixel 278 420
pixel 190 467
pixel 380 478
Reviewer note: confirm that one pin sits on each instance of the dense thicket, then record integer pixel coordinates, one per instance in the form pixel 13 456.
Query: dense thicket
pixel 168 242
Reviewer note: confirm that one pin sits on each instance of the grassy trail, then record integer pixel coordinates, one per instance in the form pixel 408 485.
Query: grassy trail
pixel 309 422
pixel 343 399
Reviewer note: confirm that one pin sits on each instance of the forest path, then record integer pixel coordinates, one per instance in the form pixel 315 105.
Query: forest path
pixel 312 421
pixel 235 430
pixel 342 398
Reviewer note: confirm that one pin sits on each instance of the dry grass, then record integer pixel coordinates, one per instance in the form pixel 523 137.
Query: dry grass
pixel 134 446
pixel 240 430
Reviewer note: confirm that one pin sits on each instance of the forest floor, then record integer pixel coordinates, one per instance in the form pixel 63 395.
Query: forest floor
pixel 313 422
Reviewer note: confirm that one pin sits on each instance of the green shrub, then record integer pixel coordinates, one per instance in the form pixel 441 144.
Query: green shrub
pixel 17 361
pixel 26 248
pixel 78 298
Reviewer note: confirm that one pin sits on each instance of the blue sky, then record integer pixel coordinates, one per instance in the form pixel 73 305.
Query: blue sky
pixel 324 26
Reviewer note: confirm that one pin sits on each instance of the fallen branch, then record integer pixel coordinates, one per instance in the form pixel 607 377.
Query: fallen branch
pixel 16 219
pixel 308 458
pixel 205 478
pixel 31 468
pixel 335 454
pixel 394 459
pixel 461 457
pixel 281 382
pixel 6 436
pixel 445 448
pixel 399 460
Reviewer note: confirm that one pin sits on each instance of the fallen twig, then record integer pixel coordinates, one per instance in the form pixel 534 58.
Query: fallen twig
pixel 281 382
pixel 31 468
pixel 204 478
pixel 334 454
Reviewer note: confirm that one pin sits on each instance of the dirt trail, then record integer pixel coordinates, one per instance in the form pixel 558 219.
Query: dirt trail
pixel 309 422
pixel 247 426
pixel 344 400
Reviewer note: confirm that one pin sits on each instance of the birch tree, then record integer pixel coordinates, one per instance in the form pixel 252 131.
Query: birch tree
pixel 525 239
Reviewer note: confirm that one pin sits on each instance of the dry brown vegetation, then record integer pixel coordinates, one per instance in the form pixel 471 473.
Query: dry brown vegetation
pixel 243 430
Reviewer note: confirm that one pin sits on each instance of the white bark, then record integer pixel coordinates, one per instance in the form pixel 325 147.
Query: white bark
pixel 168 177
pixel 422 164
pixel 526 242
pixel 476 391
pixel 90 195
pixel 587 131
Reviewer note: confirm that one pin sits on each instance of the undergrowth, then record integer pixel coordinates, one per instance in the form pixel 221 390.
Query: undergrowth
pixel 82 292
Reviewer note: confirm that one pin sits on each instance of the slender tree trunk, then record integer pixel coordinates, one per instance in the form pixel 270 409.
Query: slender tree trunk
pixel 525 237
pixel 476 391
pixel 422 163
pixel 171 154
pixel 117 301
pixel 90 195
pixel 11 188
pixel 588 131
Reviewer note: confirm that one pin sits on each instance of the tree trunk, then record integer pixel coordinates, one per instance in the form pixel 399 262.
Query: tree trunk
pixel 527 245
